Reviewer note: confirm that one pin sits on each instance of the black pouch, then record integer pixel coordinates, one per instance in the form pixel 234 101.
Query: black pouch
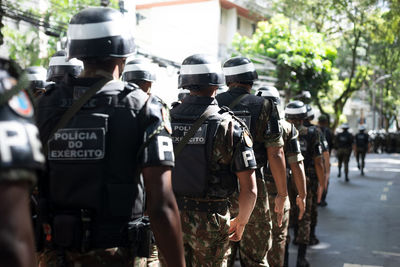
pixel 67 231
pixel 141 237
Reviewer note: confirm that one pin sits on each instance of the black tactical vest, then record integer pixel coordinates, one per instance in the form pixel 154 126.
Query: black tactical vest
pixel 93 165
pixel 362 140
pixel 20 146
pixel 344 140
pixel 306 139
pixel 249 110
pixel 195 175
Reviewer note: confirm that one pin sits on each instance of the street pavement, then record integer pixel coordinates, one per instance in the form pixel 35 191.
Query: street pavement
pixel 361 224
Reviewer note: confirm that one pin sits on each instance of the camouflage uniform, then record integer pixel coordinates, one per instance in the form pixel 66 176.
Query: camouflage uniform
pixel 279 234
pixel 205 234
pixel 151 261
pixel 310 153
pixel 256 240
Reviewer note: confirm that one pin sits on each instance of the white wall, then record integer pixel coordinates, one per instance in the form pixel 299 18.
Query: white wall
pixel 177 31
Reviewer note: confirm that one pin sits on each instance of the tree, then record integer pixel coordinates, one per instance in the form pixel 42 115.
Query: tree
pixel 304 60
pixel 24 44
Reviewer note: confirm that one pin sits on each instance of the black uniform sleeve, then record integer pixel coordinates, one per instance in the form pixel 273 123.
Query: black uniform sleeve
pixel 157 148
pixel 243 154
pixel 316 143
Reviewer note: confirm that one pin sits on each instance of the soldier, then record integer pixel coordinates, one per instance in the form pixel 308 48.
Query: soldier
pixel 141 72
pixel 326 157
pixel 20 158
pixel 362 146
pixel 343 144
pixel 323 123
pixel 278 255
pixel 37 78
pixel 101 134
pixel 60 66
pixel 214 153
pixel 262 118
pixel 311 149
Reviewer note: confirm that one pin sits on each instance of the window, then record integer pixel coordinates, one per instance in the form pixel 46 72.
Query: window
pixel 238 24
pixel 253 27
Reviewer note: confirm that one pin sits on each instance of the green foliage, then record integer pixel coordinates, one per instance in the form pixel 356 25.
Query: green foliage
pixel 304 59
pixel 24 45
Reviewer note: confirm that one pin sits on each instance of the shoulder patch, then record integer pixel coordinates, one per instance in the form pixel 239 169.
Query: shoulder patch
pixel 166 121
pixel 21 104
pixel 247 139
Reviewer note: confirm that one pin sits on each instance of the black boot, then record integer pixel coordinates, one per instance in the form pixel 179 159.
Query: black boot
pixel 313 238
pixel 339 173
pixel 301 256
pixel 286 261
pixel 347 177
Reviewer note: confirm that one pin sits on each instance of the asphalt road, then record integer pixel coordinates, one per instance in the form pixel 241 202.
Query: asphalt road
pixel 361 224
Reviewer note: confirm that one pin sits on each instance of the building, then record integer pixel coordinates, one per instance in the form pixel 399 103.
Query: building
pixel 175 29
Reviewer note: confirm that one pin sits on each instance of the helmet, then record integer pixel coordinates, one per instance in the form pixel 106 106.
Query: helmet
pixel 200 70
pixel 345 126
pixel 99 32
pixel 310 112
pixel 269 92
pixel 60 65
pixel 37 77
pixel 361 128
pixel 8 70
pixel 239 69
pixel 139 69
pixel 323 118
pixel 296 110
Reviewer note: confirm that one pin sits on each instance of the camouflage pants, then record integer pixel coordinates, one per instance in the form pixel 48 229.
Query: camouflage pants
pixel 151 261
pixel 116 257
pixel 256 239
pixel 343 156
pixel 314 203
pixel 302 227
pixel 360 153
pixel 276 255
pixel 205 238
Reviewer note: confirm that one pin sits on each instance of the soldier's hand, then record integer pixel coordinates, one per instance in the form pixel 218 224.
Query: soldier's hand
pixel 279 207
pixel 236 230
pixel 320 191
pixel 301 203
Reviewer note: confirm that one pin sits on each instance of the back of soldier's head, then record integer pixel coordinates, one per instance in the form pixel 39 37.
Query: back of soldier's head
pixel 139 69
pixel 60 66
pixel 98 33
pixel 239 70
pixel 296 111
pixel 200 72
pixel 269 92
pixel 37 79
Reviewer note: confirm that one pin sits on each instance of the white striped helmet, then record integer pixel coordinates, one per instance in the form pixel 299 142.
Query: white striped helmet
pixel 269 92
pixel 296 110
pixel 200 70
pixel 36 76
pixel 239 69
pixel 99 32
pixel 139 69
pixel 60 65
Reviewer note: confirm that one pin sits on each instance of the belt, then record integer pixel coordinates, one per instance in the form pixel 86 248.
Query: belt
pixel 203 205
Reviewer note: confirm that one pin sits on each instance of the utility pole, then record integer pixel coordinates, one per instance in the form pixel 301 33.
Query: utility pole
pixel 381 78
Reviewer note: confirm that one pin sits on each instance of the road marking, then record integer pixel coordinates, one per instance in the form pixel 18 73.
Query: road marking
pixel 386 253
pixel 383 197
pixel 390 183
pixel 386 189
pixel 391 170
pixel 359 265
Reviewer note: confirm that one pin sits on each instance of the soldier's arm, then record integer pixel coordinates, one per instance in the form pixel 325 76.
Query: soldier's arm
pixel 319 165
pixel 276 157
pixel 327 167
pixel 247 200
pixel 164 214
pixel 16 235
pixel 299 177
pixel 157 159
pixel 244 164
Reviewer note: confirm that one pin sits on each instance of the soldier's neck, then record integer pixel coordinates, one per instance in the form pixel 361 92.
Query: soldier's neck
pixel 112 71
pixel 210 92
